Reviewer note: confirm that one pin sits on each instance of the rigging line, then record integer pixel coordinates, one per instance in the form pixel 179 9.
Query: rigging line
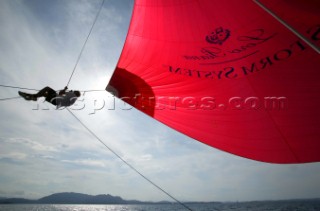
pixel 9 98
pixel 17 87
pixel 84 44
pixel 125 162
pixel 297 33
pixel 97 90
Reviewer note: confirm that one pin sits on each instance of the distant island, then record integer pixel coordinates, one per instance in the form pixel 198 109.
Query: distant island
pixel 75 198
pixel 80 198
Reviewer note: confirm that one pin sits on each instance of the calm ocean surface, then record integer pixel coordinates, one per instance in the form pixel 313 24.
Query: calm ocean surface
pixel 245 206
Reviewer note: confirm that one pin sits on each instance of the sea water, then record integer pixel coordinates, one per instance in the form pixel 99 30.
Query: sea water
pixel 244 206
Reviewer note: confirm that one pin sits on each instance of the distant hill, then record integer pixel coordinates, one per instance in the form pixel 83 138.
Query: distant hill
pixel 16 201
pixel 72 198
pixel 79 198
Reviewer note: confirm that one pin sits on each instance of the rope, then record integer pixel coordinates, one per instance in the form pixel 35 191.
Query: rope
pixel 98 90
pixel 78 59
pixel 84 44
pixel 293 30
pixel 125 162
pixel 17 87
pixel 9 98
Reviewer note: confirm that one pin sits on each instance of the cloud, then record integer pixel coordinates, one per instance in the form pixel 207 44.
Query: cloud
pixel 13 156
pixel 87 162
pixel 31 145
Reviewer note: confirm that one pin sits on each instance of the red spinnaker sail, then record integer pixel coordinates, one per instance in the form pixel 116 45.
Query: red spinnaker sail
pixel 228 74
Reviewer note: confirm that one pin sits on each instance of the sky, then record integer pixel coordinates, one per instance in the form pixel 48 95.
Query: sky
pixel 45 151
